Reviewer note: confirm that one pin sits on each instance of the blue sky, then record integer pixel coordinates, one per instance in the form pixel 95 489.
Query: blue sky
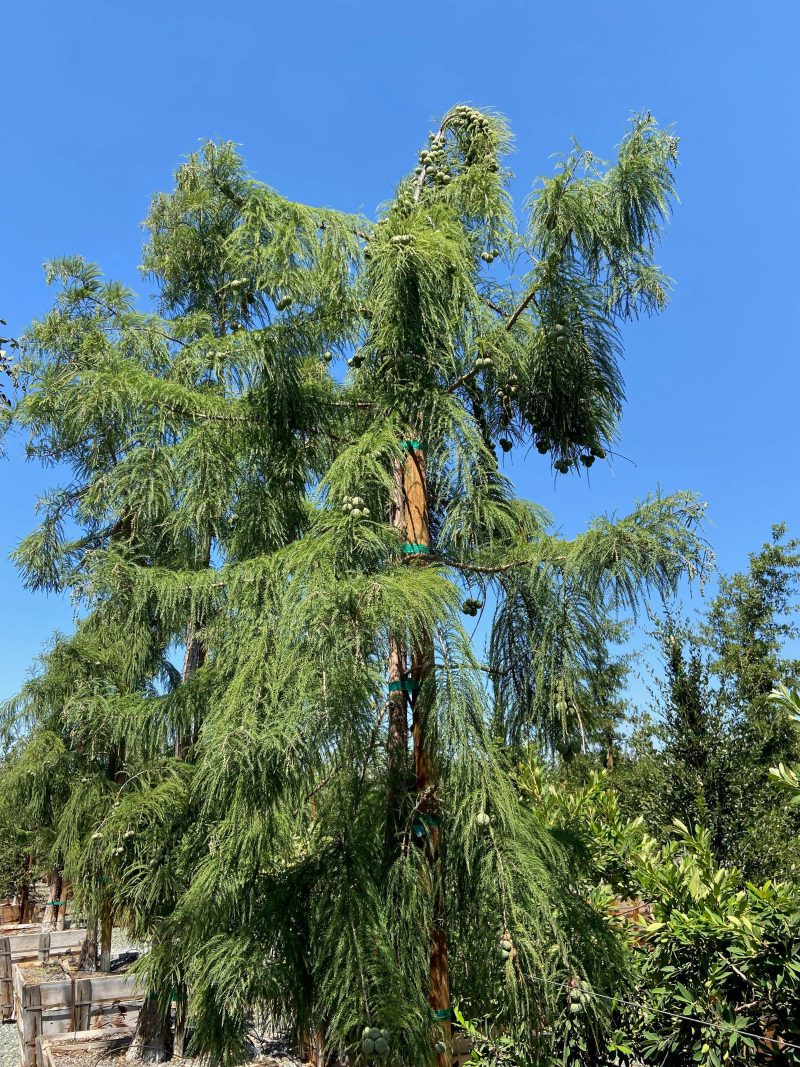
pixel 330 101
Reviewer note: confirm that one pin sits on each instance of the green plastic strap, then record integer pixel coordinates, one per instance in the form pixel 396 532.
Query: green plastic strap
pixel 406 685
pixel 429 820
pixel 423 823
pixel 443 1013
pixel 416 550
pixel 55 903
pixel 173 996
pixel 413 446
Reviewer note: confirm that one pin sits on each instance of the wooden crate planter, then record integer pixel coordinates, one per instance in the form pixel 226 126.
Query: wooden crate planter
pixel 50 1001
pixel 9 911
pixel 26 944
pixel 17 929
pixel 90 1045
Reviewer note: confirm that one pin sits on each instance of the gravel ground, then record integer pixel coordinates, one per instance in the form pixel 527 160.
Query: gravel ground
pixel 9 1046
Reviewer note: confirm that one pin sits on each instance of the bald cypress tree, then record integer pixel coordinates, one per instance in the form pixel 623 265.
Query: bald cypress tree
pixel 313 822
pixel 367 851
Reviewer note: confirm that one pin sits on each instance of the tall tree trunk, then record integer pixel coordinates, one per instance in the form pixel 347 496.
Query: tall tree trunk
pixel 61 909
pixel 193 659
pixel 181 1017
pixel 426 781
pixel 106 932
pixel 151 1041
pixel 115 771
pixel 397 748
pixel 87 961
pixel 428 805
pixel 155 1037
pixel 25 890
pixel 319 1049
pixel 51 914
pixel 311 1046
pixel 24 895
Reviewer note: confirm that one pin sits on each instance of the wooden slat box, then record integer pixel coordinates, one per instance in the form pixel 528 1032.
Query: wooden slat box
pixel 90 1045
pixel 24 944
pixel 50 1001
pixel 13 929
pixel 9 912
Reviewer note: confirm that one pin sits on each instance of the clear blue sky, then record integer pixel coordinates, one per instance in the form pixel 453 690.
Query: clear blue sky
pixel 330 100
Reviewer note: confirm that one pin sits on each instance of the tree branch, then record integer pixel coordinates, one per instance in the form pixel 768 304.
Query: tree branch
pixel 526 300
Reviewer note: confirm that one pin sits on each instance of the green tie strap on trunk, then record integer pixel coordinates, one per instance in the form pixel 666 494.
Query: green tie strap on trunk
pixel 406 685
pixel 443 1014
pixel 423 824
pixel 416 550
pixel 413 446
pixel 55 903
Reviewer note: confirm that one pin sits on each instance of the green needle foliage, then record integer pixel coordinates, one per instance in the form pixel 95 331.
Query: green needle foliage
pixel 238 813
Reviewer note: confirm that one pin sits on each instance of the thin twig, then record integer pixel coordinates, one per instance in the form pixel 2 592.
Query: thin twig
pixel 500 568
pixel 208 417
pixel 493 307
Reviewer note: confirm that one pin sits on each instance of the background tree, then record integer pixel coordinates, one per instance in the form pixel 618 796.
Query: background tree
pixel 135 405
pixel 749 631
pixel 696 753
pixel 703 751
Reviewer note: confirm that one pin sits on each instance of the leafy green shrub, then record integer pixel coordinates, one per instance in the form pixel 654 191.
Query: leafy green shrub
pixel 720 961
pixel 714 970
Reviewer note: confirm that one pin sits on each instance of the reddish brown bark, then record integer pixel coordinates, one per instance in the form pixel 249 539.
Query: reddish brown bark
pixel 426 781
pixel 397 749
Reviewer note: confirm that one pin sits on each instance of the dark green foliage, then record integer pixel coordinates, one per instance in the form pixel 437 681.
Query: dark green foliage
pixel 751 621
pixel 748 631
pixel 550 645
pixel 15 870
pixel 704 755
pixel 699 767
